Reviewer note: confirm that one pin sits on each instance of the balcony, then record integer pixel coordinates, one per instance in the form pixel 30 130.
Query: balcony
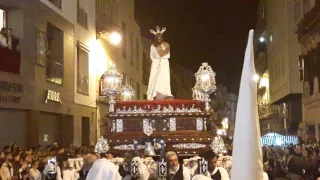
pixel 266 111
pixel 10 61
pixel 54 72
pixel 103 22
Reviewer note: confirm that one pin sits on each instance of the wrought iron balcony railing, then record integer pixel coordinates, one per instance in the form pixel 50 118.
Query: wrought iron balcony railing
pixel 54 72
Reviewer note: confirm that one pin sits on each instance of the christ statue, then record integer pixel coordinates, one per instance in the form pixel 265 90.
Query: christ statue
pixel 159 80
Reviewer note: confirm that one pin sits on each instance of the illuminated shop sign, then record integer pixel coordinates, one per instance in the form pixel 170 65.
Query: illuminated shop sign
pixel 53 96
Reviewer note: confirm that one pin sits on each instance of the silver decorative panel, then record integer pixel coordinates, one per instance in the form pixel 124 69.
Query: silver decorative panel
pixel 199 124
pixel 173 124
pixel 119 125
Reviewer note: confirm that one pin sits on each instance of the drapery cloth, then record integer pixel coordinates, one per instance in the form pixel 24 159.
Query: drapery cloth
pixel 159 80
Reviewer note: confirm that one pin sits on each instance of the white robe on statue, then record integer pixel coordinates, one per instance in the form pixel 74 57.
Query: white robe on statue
pixel 159 80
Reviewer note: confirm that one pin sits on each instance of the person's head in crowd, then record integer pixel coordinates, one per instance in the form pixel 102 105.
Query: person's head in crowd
pixel 53 152
pixel 35 164
pixel 78 152
pixel 29 151
pixel 306 153
pixel 315 153
pixel 289 150
pixel 128 156
pixel 110 156
pixel 6 149
pixel 71 145
pixel 89 160
pixel 61 150
pixel 296 165
pixel 270 154
pixel 172 159
pixel 279 154
pixel 298 150
pixel 8 157
pixel 3 31
pixel 26 158
pixel 9 32
pixel 16 156
pixel 13 147
pixel 212 159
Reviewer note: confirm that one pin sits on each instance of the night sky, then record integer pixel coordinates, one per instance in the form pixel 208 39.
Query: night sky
pixel 213 31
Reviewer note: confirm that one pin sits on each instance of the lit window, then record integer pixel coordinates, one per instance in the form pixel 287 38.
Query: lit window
pixel 2 18
pixel 83 69
pixel 54 65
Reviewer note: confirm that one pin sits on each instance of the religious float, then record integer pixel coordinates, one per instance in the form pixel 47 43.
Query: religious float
pixel 185 126
pixel 147 126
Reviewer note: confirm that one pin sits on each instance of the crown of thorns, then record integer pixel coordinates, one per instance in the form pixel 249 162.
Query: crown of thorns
pixel 158 31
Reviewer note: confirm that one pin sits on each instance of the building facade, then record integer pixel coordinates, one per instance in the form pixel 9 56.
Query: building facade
pixel 277 55
pixel 52 71
pixel 268 113
pixel 232 102
pixel 308 23
pixel 118 15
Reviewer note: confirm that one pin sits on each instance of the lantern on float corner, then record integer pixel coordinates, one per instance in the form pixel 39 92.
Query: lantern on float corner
pixel 111 85
pixel 205 83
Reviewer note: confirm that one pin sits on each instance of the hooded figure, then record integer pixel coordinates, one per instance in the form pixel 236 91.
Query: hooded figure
pixel 103 169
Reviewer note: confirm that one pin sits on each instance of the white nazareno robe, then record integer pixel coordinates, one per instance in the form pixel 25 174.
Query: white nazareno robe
pixel 103 169
pixel 159 80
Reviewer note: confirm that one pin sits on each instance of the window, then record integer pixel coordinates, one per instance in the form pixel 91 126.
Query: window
pixel 137 54
pixel 3 19
pixel 82 69
pixel 138 91
pixel 41 47
pixel 124 81
pixel 301 68
pixel 106 14
pixel 131 47
pixel 54 67
pixel 82 16
pixel 57 3
pixel 124 40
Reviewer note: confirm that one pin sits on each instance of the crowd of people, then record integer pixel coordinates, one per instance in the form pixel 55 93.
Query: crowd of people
pixel 299 162
pixel 56 163
pixel 7 39
pixel 295 162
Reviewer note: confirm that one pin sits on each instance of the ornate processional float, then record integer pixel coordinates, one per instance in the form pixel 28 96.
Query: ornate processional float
pixel 184 126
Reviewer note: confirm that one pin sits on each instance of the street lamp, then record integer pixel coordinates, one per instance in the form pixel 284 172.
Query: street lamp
pixel 111 85
pixel 115 38
pixel 262 39
pixel 205 84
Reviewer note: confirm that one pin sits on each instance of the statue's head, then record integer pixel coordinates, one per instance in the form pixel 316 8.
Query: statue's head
pixel 158 38
pixel 158 34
